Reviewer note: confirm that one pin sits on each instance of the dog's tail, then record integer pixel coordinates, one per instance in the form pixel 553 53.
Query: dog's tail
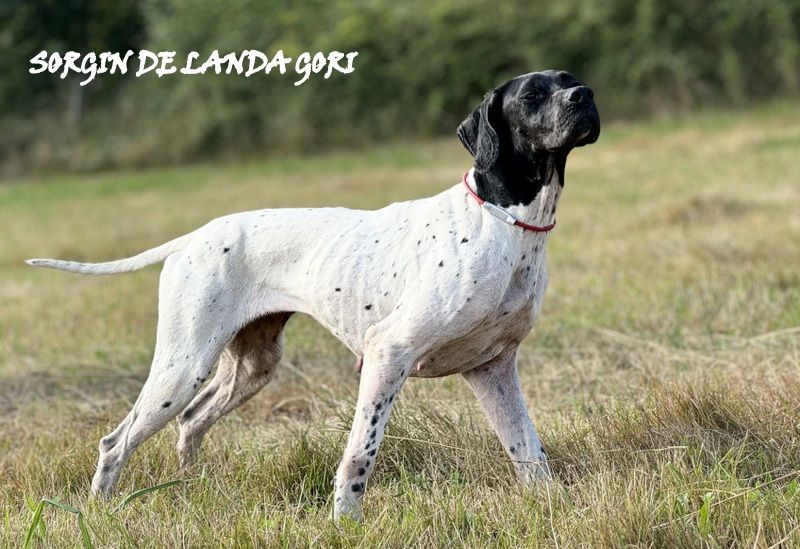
pixel 140 261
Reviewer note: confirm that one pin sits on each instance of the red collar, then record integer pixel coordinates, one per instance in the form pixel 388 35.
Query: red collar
pixel 503 215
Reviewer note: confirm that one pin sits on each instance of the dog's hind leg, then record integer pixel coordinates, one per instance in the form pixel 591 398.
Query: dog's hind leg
pixel 194 324
pixel 246 365
pixel 496 385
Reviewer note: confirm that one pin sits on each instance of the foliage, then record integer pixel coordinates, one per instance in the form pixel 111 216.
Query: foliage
pixel 421 68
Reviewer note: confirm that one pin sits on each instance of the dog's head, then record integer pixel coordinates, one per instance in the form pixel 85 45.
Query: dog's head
pixel 534 116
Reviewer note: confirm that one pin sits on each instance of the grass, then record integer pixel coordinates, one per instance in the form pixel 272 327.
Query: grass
pixel 664 374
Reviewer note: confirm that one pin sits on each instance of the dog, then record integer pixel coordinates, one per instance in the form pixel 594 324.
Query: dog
pixel 444 285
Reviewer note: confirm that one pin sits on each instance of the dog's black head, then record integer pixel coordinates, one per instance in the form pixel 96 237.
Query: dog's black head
pixel 524 130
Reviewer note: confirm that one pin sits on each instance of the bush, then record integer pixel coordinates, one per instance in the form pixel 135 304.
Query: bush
pixel 422 66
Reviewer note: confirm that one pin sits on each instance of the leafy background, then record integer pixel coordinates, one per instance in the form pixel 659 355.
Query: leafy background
pixel 421 66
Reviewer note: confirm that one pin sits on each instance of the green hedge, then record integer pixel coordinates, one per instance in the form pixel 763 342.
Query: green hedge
pixel 423 65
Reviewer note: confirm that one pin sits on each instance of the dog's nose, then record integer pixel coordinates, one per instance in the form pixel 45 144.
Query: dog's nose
pixel 580 93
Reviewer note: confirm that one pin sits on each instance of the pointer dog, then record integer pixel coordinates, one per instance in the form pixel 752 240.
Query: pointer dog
pixel 425 288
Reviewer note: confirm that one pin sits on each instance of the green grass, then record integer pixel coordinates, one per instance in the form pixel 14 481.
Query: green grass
pixel 664 374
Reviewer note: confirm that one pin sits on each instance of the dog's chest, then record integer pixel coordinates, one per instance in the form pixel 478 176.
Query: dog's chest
pixel 508 325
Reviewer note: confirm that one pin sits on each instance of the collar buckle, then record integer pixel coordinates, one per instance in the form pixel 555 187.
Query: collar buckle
pixel 499 213
pixel 496 211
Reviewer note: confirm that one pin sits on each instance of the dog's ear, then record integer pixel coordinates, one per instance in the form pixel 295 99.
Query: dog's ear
pixel 478 135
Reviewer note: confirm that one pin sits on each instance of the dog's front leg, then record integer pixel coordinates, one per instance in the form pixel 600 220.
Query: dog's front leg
pixel 496 385
pixel 386 367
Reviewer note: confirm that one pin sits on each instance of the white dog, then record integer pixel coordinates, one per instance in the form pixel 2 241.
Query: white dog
pixel 426 288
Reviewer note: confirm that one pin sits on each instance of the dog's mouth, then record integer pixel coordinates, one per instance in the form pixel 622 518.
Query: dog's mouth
pixel 584 134
pixel 580 128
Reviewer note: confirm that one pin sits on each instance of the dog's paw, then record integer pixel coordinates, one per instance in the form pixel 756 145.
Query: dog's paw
pixel 101 489
pixel 346 509
pixel 535 469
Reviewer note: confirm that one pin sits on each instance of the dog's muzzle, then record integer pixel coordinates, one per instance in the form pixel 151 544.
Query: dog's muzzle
pixel 581 119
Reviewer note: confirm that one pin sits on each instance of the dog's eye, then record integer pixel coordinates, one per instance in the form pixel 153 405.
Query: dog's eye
pixel 533 94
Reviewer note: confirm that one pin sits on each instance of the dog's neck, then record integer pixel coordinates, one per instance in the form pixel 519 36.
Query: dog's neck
pixel 528 189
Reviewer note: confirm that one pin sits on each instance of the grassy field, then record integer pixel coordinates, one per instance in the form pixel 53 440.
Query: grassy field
pixel 664 373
